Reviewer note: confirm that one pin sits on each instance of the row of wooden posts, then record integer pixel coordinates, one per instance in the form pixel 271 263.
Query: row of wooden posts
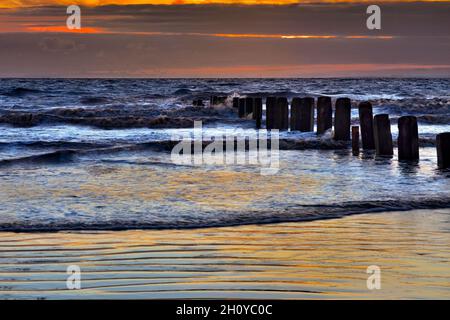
pixel 375 130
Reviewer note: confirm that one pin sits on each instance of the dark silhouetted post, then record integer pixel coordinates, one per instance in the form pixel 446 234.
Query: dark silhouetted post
pixel 241 110
pixel 443 150
pixel 306 114
pixel 270 111
pixel 408 138
pixel 342 117
pixel 324 114
pixel 257 112
pixel 295 114
pixel 248 106
pixel 366 123
pixel 355 140
pixel 302 114
pixel 382 135
pixel 281 114
pixel 236 103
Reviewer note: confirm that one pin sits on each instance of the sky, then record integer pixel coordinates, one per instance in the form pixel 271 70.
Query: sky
pixel 195 38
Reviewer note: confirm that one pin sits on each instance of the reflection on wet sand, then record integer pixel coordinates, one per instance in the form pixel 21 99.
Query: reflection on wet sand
pixel 320 259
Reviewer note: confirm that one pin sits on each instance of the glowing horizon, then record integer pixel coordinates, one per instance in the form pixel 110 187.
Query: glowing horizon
pixel 94 30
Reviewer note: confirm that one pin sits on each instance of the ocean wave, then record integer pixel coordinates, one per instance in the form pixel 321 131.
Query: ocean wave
pixel 61 148
pixel 53 144
pixel 415 106
pixel 60 156
pixel 183 91
pixel 297 213
pixel 116 117
pixel 20 92
pixel 20 119
pixel 94 100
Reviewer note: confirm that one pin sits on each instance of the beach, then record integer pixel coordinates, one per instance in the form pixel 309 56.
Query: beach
pixel 324 259
pixel 224 149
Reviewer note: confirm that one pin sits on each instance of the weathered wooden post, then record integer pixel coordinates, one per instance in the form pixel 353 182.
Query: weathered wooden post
pixel 302 114
pixel 443 150
pixel 307 114
pixel 241 111
pixel 355 140
pixel 342 119
pixel 366 123
pixel 270 111
pixel 248 106
pixel 382 135
pixel 295 114
pixel 281 114
pixel 408 138
pixel 236 103
pixel 324 114
pixel 257 112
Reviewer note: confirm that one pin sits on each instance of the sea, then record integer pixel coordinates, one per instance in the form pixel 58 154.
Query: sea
pixel 95 154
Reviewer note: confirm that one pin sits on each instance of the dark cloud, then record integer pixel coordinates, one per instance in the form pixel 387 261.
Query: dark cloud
pixel 421 41
pixel 346 18
pixel 54 44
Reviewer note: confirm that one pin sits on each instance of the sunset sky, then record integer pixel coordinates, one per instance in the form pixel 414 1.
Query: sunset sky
pixel 159 38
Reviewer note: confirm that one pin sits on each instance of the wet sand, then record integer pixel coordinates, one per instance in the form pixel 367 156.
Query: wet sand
pixel 324 259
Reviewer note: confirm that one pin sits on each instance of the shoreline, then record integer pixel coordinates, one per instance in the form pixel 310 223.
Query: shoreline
pixel 311 260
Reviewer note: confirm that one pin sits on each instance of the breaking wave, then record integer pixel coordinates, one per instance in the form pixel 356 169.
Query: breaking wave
pixel 281 215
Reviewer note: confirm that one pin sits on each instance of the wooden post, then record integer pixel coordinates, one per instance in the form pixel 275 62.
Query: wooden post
pixel 324 114
pixel 241 110
pixel 307 114
pixel 295 114
pixel 248 106
pixel 342 119
pixel 366 123
pixel 285 109
pixel 355 140
pixel 270 108
pixel 281 114
pixel 408 138
pixel 443 150
pixel 302 114
pixel 236 103
pixel 382 135
pixel 257 112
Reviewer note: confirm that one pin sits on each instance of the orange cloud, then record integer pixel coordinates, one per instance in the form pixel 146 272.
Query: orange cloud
pixel 61 29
